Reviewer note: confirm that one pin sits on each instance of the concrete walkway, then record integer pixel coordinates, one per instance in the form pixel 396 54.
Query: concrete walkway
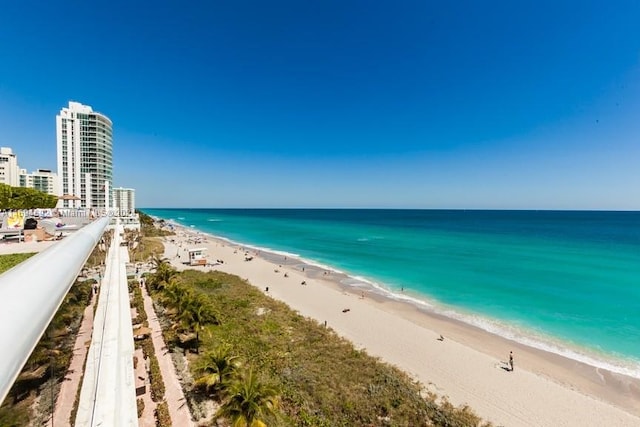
pixel 178 408
pixel 148 417
pixel 24 247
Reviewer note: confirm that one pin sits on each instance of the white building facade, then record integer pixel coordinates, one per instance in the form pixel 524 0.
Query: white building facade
pixel 85 156
pixel 124 199
pixel 8 167
pixel 44 180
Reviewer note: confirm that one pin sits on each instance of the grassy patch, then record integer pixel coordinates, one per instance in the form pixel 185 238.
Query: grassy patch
pixel 11 260
pixel 148 247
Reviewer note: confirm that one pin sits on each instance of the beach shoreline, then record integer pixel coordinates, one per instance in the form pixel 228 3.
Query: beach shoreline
pixel 468 366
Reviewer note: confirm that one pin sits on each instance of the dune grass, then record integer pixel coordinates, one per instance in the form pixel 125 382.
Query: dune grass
pixel 148 247
pixel 151 228
pixel 323 380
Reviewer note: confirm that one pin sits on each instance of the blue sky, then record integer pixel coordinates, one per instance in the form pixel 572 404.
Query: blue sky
pixel 416 104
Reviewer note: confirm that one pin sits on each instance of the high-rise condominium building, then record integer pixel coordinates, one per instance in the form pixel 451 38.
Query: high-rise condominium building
pixel 124 199
pixel 8 167
pixel 85 156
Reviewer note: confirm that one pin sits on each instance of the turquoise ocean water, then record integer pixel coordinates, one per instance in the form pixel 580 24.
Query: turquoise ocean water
pixel 568 282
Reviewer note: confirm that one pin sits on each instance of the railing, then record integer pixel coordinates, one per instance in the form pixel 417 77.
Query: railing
pixel 31 293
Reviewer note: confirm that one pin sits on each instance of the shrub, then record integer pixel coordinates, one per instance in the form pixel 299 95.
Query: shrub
pixel 140 407
pixel 163 419
pixel 157 384
pixel 138 304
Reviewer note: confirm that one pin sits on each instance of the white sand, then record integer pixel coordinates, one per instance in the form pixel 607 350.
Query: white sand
pixel 467 367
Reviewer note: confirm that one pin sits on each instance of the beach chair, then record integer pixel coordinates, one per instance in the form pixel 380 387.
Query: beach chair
pixel 12 226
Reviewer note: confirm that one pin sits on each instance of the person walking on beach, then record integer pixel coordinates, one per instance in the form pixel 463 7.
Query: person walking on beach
pixel 511 360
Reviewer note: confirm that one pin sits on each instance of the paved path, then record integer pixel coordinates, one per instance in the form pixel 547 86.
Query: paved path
pixel 69 388
pixel 24 247
pixel 148 418
pixel 178 408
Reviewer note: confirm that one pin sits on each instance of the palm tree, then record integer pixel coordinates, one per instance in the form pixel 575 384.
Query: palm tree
pixel 217 369
pixel 173 295
pixel 157 261
pixel 163 277
pixel 163 273
pixel 194 313
pixel 249 402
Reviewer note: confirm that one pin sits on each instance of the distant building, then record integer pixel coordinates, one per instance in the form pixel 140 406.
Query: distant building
pixel 42 179
pixel 124 199
pixel 8 167
pixel 85 156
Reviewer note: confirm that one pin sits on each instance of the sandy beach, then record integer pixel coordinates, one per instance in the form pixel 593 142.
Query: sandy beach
pixel 469 366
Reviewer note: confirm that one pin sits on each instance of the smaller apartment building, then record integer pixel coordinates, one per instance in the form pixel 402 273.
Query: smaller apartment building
pixel 124 199
pixel 42 179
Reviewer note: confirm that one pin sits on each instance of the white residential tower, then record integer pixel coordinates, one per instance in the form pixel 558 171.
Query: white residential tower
pixel 85 156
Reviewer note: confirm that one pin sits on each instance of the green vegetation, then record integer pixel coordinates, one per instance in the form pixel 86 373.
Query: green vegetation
pixel 249 401
pixel 140 404
pixel 190 311
pixel 99 253
pixel 9 261
pixel 267 365
pixel 155 376
pixel 147 247
pixel 148 226
pixel 13 413
pixel 216 371
pixel 142 248
pixel 138 303
pixel 163 419
pixel 162 276
pixel 50 359
pixel 157 384
pixel 25 198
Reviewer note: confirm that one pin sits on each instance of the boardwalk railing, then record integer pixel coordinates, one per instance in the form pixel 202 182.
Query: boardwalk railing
pixel 31 293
